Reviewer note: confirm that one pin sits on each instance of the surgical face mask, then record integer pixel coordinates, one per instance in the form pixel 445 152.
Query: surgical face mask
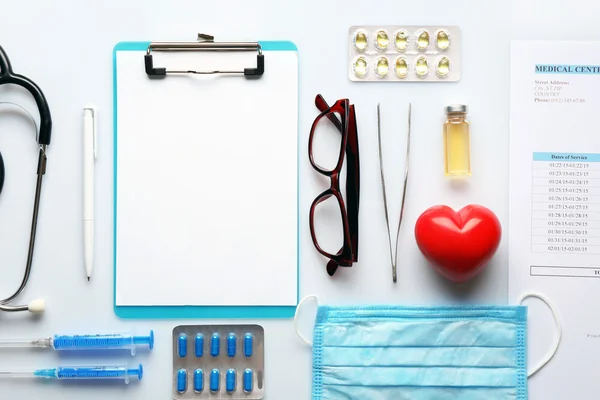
pixel 422 353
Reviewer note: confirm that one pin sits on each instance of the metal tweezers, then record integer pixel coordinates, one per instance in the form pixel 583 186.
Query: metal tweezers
pixel 393 254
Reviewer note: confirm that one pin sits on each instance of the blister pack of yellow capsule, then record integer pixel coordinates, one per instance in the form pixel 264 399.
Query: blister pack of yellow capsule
pixel 404 53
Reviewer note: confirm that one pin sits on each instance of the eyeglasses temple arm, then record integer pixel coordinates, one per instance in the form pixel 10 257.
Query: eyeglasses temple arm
pixel 322 106
pixel 353 178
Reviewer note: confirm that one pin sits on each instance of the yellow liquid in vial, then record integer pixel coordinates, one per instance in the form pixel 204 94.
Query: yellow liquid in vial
pixel 443 41
pixel 457 148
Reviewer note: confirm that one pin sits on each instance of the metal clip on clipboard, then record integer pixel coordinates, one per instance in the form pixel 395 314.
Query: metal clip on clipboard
pixel 204 43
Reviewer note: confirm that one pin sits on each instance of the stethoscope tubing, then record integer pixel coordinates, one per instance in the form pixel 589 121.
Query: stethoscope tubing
pixel 7 76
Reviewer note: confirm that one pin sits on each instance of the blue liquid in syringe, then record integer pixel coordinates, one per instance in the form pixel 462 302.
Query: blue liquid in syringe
pixel 108 372
pixel 101 342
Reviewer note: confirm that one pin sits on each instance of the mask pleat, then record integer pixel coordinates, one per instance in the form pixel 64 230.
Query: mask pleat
pixel 420 376
pixel 416 393
pixel 419 356
pixel 425 333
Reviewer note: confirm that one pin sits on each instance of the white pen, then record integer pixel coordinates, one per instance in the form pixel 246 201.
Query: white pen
pixel 90 132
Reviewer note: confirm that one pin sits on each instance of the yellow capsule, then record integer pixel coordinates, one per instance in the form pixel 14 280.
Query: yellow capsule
pixel 401 40
pixel 442 40
pixel 443 67
pixel 421 67
pixel 382 68
pixel 360 67
pixel 423 40
pixel 361 41
pixel 382 40
pixel 401 67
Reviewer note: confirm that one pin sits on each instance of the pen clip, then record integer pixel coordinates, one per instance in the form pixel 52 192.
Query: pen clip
pixel 92 109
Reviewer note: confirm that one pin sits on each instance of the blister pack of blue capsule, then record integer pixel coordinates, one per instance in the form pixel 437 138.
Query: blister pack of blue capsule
pixel 218 362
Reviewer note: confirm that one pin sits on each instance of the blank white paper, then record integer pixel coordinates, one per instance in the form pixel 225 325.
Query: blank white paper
pixel 206 181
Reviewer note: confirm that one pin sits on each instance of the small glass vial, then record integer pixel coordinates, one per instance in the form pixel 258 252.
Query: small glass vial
pixel 457 141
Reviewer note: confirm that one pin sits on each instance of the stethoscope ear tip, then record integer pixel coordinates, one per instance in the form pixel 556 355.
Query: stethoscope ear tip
pixel 37 306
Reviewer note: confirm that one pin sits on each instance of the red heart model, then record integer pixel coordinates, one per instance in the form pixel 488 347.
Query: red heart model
pixel 458 243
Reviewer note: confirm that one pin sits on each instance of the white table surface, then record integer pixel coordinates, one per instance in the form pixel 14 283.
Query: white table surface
pixel 66 47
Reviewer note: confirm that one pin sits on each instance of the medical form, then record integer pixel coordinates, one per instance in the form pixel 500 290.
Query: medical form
pixel 554 208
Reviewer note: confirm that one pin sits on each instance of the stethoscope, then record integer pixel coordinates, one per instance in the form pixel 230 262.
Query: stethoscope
pixel 7 76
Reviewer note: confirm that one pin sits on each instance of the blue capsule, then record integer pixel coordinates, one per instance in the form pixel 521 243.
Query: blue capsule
pixel 215 378
pixel 231 345
pixel 199 345
pixel 248 380
pixel 248 344
pixel 182 345
pixel 230 380
pixel 181 380
pixel 198 380
pixel 215 344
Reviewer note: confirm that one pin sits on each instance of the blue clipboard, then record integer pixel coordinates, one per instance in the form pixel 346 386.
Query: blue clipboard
pixel 194 311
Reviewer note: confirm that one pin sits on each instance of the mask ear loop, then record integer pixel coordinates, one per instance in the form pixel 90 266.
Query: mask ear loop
pixel 558 335
pixel 300 335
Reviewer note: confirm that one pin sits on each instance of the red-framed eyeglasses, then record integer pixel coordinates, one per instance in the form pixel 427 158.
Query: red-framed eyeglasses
pixel 343 117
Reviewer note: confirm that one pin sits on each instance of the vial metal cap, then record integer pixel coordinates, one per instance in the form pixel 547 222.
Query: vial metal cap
pixel 456 108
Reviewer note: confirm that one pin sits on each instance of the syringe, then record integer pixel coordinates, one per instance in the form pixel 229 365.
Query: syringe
pixel 81 373
pixel 85 342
